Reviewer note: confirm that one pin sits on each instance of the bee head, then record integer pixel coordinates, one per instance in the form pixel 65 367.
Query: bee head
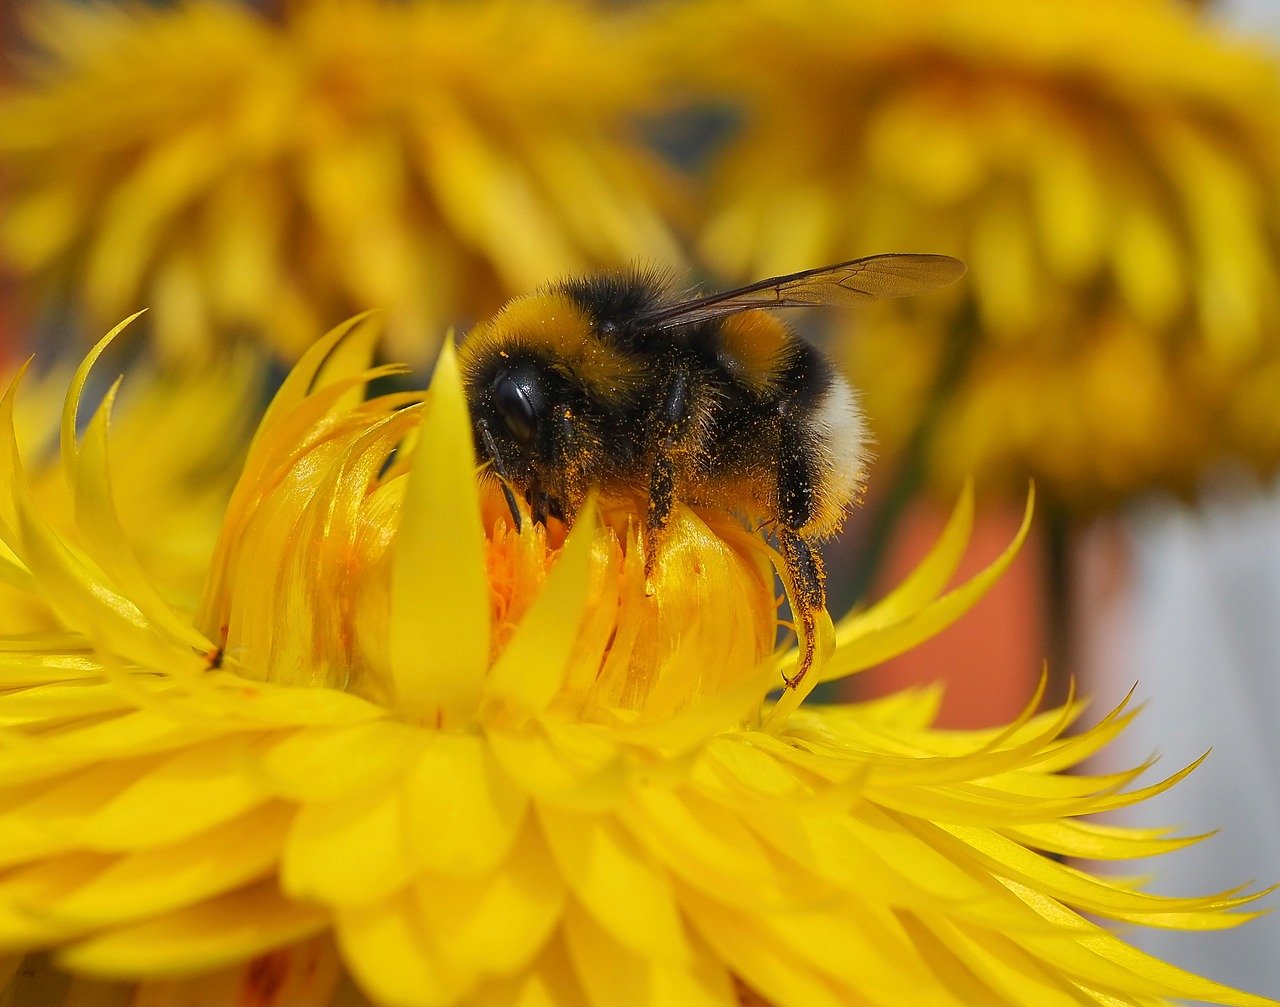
pixel 519 406
pixel 542 381
pixel 532 425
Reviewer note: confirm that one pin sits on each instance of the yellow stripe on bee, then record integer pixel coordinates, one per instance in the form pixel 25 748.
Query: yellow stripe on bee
pixel 758 346
pixel 555 327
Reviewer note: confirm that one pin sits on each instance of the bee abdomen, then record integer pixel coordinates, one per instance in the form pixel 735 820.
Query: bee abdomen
pixel 840 445
pixel 822 458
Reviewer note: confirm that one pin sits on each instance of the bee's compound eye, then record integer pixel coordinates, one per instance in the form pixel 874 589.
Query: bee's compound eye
pixel 517 412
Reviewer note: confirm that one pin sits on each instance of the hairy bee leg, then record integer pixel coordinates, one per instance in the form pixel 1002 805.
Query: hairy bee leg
pixel 673 419
pixel 809 582
pixel 495 459
pixel 662 489
pixel 796 483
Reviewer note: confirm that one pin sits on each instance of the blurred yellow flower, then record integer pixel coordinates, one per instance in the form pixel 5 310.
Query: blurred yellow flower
pixel 1111 174
pixel 239 174
pixel 177 444
pixel 402 755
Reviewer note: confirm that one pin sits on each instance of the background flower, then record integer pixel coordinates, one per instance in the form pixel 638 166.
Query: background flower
pixel 244 175
pixel 177 443
pixel 1109 172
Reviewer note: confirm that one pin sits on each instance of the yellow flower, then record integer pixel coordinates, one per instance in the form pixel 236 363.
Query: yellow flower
pixel 402 755
pixel 177 444
pixel 239 174
pixel 1110 172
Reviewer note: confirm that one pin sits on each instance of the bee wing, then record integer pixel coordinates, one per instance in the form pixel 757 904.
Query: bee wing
pixel 867 279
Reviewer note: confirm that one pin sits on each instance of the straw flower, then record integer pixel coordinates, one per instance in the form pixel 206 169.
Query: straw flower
pixel 402 755
pixel 243 175
pixel 1110 172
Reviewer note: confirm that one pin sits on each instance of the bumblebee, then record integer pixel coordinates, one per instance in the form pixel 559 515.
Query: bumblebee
pixel 613 382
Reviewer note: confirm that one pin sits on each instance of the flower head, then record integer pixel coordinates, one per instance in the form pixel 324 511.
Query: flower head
pixel 242 174
pixel 402 746
pixel 1108 171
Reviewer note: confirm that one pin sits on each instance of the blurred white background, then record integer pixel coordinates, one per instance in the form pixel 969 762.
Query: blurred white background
pixel 1194 618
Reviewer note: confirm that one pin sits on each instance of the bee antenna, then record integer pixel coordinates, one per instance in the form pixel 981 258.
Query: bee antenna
pixel 495 463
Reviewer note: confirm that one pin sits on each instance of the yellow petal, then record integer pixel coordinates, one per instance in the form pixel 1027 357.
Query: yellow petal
pixel 860 946
pixel 610 974
pixel 461 813
pixel 390 952
pixel 199 787
pixel 575 769
pixel 439 590
pixel 552 982
pixel 328 763
pixel 24 891
pixel 75 391
pixel 769 969
pixel 132 734
pixel 1008 859
pixel 224 930
pixel 97 517
pixel 23 670
pixel 160 880
pixel 621 885
pixel 1095 957
pixel 711 848
pixel 496 924
pixel 79 592
pixel 349 852
pixel 132 217
pixel 71 583
pixel 1091 841
pixel 1003 966
pixel 264 706
pixel 925 582
pixel 61 700
pixel 12 477
pixel 531 668
pixel 615 976
pixel 301 380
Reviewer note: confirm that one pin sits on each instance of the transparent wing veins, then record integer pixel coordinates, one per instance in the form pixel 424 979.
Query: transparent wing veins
pixel 869 278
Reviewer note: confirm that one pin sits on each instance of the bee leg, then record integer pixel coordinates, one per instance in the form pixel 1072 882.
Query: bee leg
pixel 495 459
pixel 809 582
pixel 673 420
pixel 662 488
pixel 512 506
pixel 796 482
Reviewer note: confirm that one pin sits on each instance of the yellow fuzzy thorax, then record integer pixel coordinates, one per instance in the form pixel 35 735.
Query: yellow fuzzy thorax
pixel 550 324
pixel 434 762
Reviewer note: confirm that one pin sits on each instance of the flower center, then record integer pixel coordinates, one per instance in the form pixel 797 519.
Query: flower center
pixel 305 590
